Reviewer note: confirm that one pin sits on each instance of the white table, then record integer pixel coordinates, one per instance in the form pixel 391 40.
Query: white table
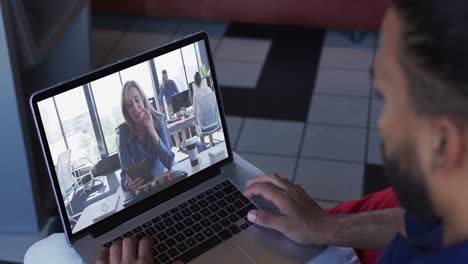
pixel 89 213
pixel 185 122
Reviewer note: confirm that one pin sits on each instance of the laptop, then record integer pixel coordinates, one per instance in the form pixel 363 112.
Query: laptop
pixel 195 213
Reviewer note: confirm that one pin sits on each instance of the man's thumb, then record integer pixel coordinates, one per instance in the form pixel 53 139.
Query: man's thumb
pixel 266 219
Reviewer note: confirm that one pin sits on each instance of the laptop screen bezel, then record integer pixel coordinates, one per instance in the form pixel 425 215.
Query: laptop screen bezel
pixel 156 199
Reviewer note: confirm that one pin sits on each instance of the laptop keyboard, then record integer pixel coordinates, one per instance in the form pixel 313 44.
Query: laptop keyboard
pixel 196 225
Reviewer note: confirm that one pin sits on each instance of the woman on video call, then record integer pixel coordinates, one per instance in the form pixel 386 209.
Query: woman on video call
pixel 143 136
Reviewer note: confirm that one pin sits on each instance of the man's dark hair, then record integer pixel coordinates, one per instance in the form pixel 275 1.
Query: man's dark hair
pixel 164 72
pixel 434 55
pixel 197 79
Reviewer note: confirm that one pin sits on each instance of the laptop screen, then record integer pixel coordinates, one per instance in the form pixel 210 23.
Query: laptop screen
pixel 119 139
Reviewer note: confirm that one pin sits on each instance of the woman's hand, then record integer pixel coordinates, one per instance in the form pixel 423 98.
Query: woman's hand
pixel 147 119
pixel 133 185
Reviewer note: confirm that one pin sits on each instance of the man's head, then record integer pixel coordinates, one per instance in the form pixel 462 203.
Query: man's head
pixel 421 70
pixel 165 78
pixel 197 78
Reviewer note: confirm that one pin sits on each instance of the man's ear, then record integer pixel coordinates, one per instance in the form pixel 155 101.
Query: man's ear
pixel 448 145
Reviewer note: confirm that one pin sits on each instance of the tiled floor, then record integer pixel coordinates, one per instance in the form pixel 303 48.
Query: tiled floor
pixel 327 146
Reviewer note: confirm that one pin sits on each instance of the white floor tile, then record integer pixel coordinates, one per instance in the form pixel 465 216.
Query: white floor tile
pixel 238 74
pixel 330 180
pixel 283 166
pixel 214 42
pixel 343 82
pixel 346 58
pixel 242 49
pixel 374 154
pixel 234 124
pixel 268 136
pixel 336 143
pixel 339 110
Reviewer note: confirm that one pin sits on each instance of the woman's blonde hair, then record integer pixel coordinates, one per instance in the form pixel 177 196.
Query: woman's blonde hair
pixel 128 120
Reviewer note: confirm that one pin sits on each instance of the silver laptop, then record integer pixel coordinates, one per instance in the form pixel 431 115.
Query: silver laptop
pixel 95 133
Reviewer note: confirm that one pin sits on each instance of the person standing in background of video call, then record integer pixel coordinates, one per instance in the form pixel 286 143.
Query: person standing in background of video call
pixel 142 136
pixel 168 89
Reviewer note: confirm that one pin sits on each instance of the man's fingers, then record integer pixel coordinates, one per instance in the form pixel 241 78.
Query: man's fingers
pixel 103 257
pixel 270 178
pixel 267 219
pixel 268 191
pixel 145 251
pixel 115 252
pixel 129 250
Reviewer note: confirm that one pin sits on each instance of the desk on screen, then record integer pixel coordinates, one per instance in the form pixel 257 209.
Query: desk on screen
pixel 88 214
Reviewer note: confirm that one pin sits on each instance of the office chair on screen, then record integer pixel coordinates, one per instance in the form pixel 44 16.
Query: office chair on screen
pixel 207 115
pixel 82 169
pixel 68 183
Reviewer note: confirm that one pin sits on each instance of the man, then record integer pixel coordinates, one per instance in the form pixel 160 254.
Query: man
pixel 168 89
pixel 421 71
pixel 201 91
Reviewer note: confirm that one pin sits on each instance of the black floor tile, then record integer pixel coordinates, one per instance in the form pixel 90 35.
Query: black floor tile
pixel 287 80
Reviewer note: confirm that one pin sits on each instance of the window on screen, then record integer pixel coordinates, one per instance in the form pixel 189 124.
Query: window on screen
pixel 52 129
pixel 106 92
pixel 76 124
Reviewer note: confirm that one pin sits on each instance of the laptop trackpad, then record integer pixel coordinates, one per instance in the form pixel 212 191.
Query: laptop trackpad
pixel 225 255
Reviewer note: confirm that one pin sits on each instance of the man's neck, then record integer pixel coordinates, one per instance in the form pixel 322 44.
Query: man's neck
pixel 455 226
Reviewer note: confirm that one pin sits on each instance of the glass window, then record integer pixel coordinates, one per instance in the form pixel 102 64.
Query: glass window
pixel 107 97
pixel 140 73
pixel 52 128
pixel 77 125
pixel 202 57
pixel 190 61
pixel 172 63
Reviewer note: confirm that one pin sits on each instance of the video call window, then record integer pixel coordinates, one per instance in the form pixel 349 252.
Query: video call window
pixel 87 123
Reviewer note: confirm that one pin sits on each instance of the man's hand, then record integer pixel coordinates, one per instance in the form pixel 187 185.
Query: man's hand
pixel 128 252
pixel 300 218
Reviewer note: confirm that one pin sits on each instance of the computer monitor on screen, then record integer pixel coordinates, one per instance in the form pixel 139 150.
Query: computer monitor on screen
pixel 182 99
